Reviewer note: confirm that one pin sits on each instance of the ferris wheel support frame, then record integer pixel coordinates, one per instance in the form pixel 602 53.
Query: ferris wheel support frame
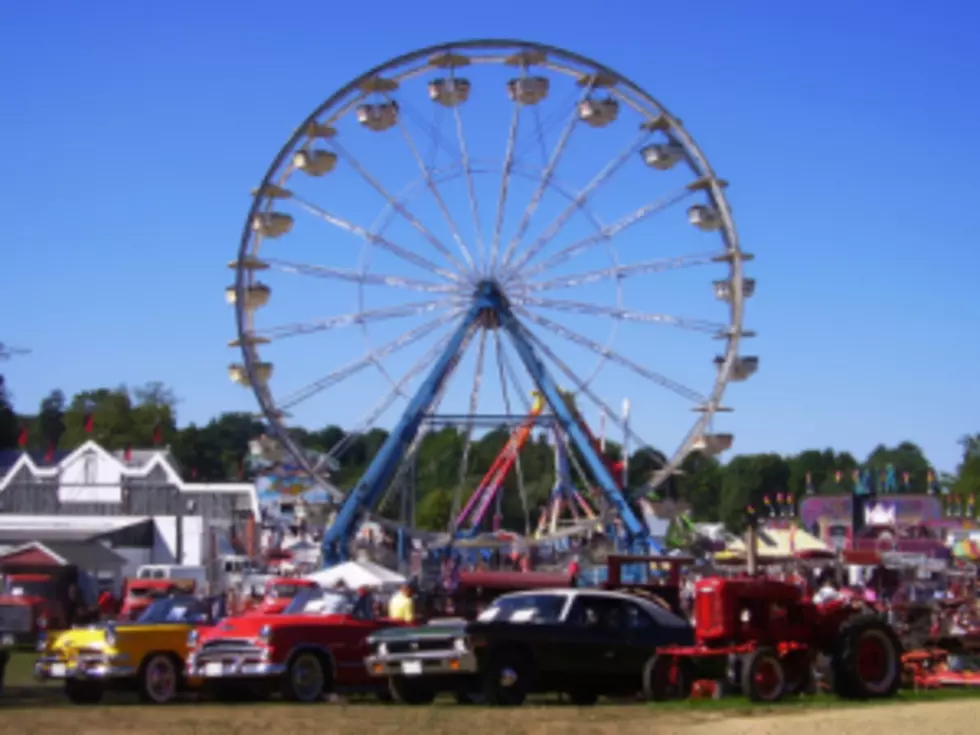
pixel 489 306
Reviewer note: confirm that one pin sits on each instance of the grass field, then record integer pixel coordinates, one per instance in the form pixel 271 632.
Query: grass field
pixel 32 708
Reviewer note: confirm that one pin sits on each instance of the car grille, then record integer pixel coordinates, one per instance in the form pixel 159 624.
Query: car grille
pixel 226 644
pixel 15 619
pixel 420 645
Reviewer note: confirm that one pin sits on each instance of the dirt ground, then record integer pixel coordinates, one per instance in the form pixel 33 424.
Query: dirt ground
pixel 945 718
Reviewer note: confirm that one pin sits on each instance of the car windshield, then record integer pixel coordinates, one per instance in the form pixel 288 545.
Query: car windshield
pixel 524 608
pixel 320 602
pixel 286 589
pixel 176 610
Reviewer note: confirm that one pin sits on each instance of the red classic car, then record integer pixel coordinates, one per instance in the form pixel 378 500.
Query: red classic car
pixel 313 648
pixel 279 592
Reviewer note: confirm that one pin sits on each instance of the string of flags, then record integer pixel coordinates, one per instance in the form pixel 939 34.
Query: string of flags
pixel 88 427
pixel 884 480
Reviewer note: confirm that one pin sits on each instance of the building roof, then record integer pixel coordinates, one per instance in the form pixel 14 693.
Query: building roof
pixel 18 536
pixel 89 555
pixel 9 457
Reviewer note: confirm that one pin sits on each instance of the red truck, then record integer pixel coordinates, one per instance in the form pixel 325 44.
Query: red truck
pixel 313 648
pixel 279 593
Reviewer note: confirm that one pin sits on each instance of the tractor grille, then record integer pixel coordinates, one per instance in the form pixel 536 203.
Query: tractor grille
pixel 15 619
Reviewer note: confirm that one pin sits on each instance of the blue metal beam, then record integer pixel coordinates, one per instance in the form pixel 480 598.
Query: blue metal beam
pixel 572 428
pixel 371 487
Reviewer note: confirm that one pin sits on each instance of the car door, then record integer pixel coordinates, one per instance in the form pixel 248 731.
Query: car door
pixel 590 645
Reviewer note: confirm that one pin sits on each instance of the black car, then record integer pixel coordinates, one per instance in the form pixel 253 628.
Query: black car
pixel 584 643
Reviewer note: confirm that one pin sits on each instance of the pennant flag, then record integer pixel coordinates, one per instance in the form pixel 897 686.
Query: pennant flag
pixel 23 437
pixel 157 433
pixel 49 454
pixel 88 422
pixel 241 468
pixel 193 473
pixel 837 477
pixel 905 479
pixel 128 453
pixel 779 498
pixel 765 500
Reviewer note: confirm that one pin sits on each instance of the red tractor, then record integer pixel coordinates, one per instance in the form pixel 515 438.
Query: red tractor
pixel 771 633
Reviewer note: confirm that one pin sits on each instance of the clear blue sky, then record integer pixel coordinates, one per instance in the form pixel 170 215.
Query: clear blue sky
pixel 130 134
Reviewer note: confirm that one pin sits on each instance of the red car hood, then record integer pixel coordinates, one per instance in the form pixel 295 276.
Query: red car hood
pixel 248 626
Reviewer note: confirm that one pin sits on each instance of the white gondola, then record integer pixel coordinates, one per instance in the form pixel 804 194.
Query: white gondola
pixel 315 162
pixel 713 444
pixel 378 117
pixel 743 367
pixel 598 113
pixel 256 296
pixel 272 224
pixel 261 371
pixel 449 92
pixel 528 90
pixel 723 289
pixel 704 217
pixel 662 156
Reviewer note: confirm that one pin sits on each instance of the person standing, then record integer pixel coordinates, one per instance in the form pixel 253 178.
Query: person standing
pixel 401 607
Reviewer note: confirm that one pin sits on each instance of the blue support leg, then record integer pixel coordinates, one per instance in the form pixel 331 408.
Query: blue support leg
pixel 573 429
pixel 370 489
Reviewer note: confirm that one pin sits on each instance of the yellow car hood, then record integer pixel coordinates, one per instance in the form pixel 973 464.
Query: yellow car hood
pixel 77 638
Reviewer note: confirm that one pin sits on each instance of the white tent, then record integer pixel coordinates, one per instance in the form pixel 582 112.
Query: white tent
pixel 355 574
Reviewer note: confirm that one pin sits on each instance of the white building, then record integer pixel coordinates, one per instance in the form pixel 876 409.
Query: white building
pixel 135 503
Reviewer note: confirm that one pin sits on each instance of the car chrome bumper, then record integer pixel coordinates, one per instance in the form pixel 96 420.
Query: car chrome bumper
pixel 428 663
pixel 49 668
pixel 234 670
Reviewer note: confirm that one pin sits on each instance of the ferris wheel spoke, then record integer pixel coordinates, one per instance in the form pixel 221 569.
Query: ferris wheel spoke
pixel 626 315
pixel 546 174
pixel 505 394
pixel 504 183
pixel 397 206
pixel 582 387
pixel 608 232
pixel 385 403
pixel 620 272
pixel 581 198
pixel 581 340
pixel 464 152
pixel 284 331
pixel 376 239
pixel 370 279
pixel 440 202
pixel 464 464
pixel 352 368
pixel 550 121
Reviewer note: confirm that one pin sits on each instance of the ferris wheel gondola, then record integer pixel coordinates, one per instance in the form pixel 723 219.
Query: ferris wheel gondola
pixel 462 287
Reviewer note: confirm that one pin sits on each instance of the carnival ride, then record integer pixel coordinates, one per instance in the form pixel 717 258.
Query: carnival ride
pixel 475 290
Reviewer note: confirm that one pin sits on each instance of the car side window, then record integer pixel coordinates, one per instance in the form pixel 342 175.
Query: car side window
pixel 598 613
pixel 638 619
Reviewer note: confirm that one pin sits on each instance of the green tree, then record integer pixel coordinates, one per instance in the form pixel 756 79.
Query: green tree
pixel 9 423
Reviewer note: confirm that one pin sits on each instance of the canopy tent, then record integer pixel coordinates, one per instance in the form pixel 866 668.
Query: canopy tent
pixel 778 543
pixel 356 574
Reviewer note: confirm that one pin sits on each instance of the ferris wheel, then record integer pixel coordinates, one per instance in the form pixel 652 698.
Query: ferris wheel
pixel 490 212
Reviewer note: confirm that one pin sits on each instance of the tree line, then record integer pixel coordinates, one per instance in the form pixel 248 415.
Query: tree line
pixel 145 416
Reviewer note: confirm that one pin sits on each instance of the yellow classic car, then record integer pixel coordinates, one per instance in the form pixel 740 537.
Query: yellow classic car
pixel 146 656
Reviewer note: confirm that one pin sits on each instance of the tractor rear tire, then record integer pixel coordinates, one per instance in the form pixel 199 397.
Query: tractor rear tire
pixel 867 659
pixel 763 676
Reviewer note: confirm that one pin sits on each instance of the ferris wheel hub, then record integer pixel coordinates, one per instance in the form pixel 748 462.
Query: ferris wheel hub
pixel 490 296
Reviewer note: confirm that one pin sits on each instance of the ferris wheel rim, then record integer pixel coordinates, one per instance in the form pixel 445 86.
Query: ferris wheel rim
pixel 693 156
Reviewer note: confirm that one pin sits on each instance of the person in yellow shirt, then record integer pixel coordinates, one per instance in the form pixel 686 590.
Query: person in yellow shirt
pixel 401 606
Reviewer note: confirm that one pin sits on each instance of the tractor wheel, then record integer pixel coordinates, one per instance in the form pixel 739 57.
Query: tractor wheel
pixel 867 659
pixel 667 677
pixel 763 676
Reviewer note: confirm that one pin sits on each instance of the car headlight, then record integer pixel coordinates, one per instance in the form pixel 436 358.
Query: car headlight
pixel 265 634
pixel 192 638
pixel 460 645
pixel 110 635
pixel 382 649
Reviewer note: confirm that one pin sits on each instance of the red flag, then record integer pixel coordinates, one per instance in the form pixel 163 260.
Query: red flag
pixel 23 437
pixel 241 468
pixel 128 453
pixel 157 433
pixel 49 454
pixel 88 422
pixel 193 473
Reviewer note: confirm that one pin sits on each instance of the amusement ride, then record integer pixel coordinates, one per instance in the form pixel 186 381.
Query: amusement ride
pixel 487 286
